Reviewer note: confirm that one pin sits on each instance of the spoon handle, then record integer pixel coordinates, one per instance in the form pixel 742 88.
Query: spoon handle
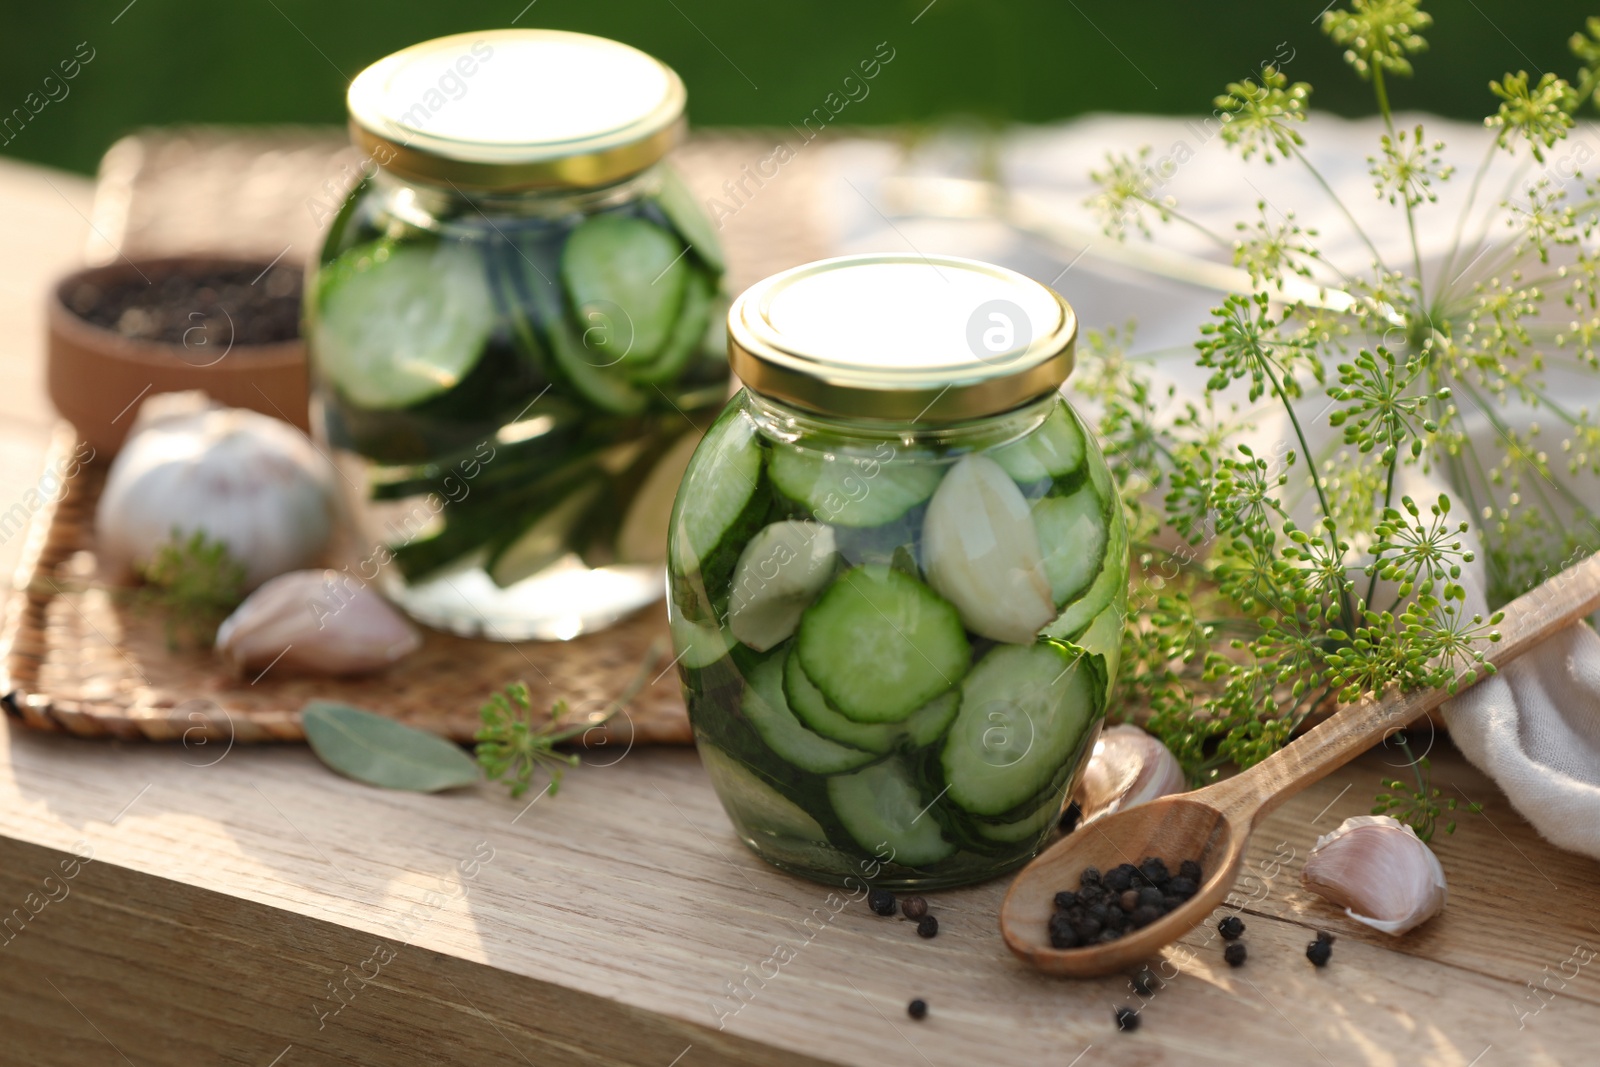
pixel 1353 728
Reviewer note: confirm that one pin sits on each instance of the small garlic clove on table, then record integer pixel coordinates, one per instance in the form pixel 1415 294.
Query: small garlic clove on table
pixel 319 622
pixel 1127 768
pixel 980 551
pixel 1379 871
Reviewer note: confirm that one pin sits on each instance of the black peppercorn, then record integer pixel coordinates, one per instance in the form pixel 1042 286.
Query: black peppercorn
pixel 917 1009
pixel 1144 982
pixel 1151 897
pixel 1155 871
pixel 916 907
pixel 1093 894
pixel 1064 900
pixel 1070 817
pixel 1189 869
pixel 881 901
pixel 1231 927
pixel 1182 886
pixel 927 926
pixel 1144 915
pixel 1127 1019
pixel 1088 928
pixel 1100 913
pixel 1235 953
pixel 1062 933
pixel 1090 876
pixel 1318 952
pixel 1323 935
pixel 1106 936
pixel 1120 878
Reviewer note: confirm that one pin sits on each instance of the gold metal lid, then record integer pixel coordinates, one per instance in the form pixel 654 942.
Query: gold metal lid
pixel 905 338
pixel 517 109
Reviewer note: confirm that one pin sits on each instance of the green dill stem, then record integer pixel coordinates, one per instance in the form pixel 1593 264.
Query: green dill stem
pixel 651 658
pixel 1181 217
pixel 1317 174
pixel 1388 497
pixel 1461 220
pixel 1394 142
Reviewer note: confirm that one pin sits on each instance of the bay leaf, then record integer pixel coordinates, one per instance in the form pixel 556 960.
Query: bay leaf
pixel 377 750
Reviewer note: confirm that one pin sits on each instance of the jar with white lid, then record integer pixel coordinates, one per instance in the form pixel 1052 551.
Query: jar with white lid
pixel 515 325
pixel 898 572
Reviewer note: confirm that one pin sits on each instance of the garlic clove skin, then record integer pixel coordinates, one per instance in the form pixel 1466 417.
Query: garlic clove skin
pixel 1128 767
pixel 779 573
pixel 1379 871
pixel 316 622
pixel 242 478
pixel 980 551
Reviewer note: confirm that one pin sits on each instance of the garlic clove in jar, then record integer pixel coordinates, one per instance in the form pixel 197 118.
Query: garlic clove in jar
pixel 779 573
pixel 1379 871
pixel 980 551
pixel 1128 768
pixel 319 622
pixel 253 483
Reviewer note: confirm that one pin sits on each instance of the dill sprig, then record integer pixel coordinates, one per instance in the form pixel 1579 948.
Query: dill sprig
pixel 195 583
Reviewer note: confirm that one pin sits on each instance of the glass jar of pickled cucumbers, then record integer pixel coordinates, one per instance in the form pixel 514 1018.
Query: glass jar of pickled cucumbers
pixel 515 325
pixel 898 573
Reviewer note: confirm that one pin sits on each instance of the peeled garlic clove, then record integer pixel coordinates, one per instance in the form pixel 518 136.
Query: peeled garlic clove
pixel 980 551
pixel 779 573
pixel 1128 768
pixel 321 622
pixel 1379 871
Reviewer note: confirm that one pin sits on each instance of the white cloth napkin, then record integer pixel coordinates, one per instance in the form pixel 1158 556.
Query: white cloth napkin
pixel 1535 727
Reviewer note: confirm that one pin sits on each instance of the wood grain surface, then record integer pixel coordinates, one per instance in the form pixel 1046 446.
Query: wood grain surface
pixel 611 920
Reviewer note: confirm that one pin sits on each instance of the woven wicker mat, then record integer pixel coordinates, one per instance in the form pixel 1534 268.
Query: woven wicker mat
pixel 81 658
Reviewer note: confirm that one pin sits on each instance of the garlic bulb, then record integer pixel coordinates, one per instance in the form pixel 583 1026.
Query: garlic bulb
pixel 249 481
pixel 980 551
pixel 1379 870
pixel 322 622
pixel 779 573
pixel 1128 767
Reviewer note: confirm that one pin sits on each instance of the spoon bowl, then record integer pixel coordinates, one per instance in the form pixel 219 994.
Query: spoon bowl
pixel 1212 826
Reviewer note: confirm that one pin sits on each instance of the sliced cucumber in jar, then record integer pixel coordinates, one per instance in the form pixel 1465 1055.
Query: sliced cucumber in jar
pixel 779 573
pixel 395 324
pixel 620 264
pixel 547 538
pixel 928 723
pixel 879 644
pixel 811 708
pixel 768 711
pixel 687 333
pixel 1026 828
pixel 981 552
pixel 882 809
pixel 683 211
pixel 847 490
pixel 699 645
pixel 1053 450
pixel 589 369
pixel 717 502
pixel 1108 586
pixel 754 804
pixel 642 538
pixel 1073 531
pixel 1024 711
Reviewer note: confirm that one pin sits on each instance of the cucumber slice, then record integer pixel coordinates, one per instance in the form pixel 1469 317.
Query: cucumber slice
pixel 1026 828
pixel 1106 589
pixel 754 805
pixel 852 490
pixel 586 367
pixel 546 540
pixel 721 481
pixel 1024 709
pixel 1053 450
pixel 1072 533
pixel 613 262
pixel 883 810
pixel 811 708
pixel 764 705
pixel 687 333
pixel 698 646
pixel 779 573
pixel 397 324
pixel 880 644
pixel 683 211
pixel 929 722
pixel 642 538
pixel 1103 637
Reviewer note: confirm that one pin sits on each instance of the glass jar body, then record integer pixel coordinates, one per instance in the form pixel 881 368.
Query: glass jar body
pixel 897 643
pixel 507 384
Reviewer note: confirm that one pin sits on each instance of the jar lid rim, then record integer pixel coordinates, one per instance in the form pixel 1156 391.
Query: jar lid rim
pixel 517 109
pixel 902 336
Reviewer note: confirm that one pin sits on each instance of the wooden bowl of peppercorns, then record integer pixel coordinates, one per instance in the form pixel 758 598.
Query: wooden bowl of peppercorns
pixel 124 331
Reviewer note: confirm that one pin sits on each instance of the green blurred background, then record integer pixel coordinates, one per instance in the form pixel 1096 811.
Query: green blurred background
pixel 746 62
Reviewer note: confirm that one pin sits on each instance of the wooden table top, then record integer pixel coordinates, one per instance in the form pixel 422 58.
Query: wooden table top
pixel 249 907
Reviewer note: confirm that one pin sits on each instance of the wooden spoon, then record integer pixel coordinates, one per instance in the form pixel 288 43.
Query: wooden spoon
pixel 1213 825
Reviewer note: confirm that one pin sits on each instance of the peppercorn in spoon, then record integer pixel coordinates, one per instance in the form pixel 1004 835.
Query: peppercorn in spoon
pixel 1214 824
